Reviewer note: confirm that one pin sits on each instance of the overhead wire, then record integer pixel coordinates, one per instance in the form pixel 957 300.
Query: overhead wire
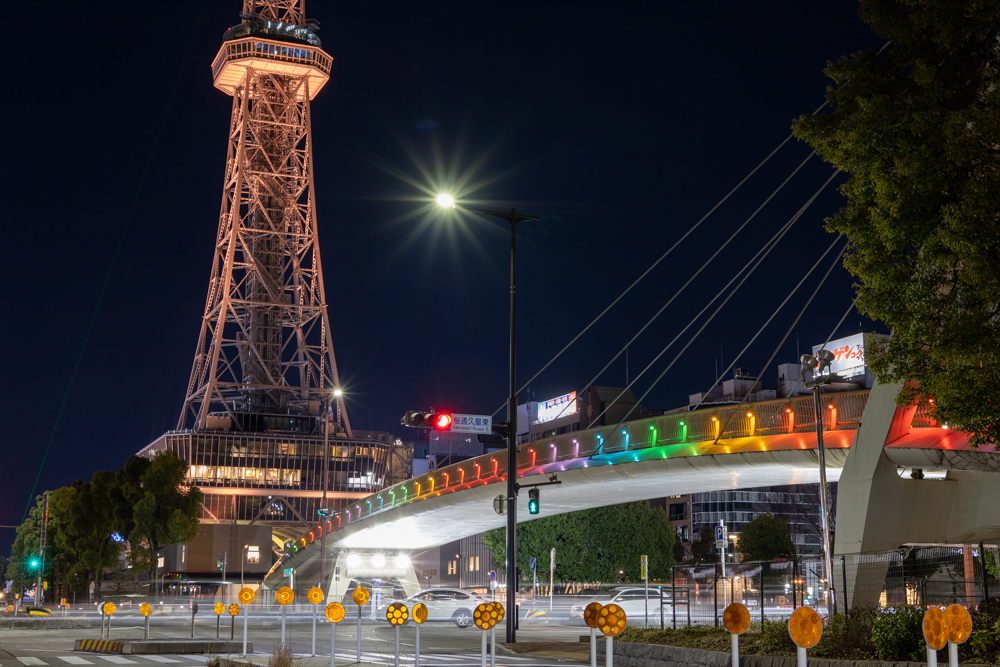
pixel 766 250
pixel 656 263
pixel 763 326
pixel 692 277
pixel 791 328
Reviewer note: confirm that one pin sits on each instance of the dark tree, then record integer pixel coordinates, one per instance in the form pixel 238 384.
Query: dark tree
pixel 766 537
pixel 703 548
pixel 917 127
pixel 594 544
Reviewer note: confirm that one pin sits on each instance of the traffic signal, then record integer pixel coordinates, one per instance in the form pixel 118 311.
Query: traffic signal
pixel 533 505
pixel 439 421
pixel 34 562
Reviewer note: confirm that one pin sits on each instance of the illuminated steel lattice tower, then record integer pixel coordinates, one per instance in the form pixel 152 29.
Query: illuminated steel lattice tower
pixel 265 343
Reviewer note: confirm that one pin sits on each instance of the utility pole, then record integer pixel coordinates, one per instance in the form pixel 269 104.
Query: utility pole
pixel 41 548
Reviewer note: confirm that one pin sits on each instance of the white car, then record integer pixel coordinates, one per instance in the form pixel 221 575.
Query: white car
pixel 633 602
pixel 443 604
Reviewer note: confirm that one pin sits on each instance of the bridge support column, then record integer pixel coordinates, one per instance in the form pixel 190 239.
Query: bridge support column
pixel 877 510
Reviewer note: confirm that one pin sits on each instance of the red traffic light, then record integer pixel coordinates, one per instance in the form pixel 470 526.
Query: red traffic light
pixel 440 421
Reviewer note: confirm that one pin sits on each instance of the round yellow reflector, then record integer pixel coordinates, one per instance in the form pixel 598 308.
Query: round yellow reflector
pixel 484 616
pixel 590 614
pixel 145 609
pixel 736 618
pixel 220 608
pixel 247 595
pixel 935 628
pixel 360 595
pixel 959 624
pixel 234 609
pixel 805 627
pixel 335 612
pixel 419 612
pixel 109 608
pixel 284 596
pixel 397 613
pixel 499 610
pixel 315 595
pixel 611 620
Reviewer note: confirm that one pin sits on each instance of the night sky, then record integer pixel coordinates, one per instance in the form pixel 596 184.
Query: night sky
pixel 620 124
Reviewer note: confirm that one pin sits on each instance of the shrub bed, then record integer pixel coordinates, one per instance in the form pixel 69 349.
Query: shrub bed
pixel 891 634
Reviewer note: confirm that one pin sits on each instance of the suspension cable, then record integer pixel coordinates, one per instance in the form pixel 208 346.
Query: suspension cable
pixel 791 327
pixel 768 247
pixel 654 264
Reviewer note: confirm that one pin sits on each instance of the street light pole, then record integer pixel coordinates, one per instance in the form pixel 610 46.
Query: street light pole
pixel 512 218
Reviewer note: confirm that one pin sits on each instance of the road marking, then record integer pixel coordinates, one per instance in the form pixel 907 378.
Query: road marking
pixel 31 661
pixel 196 658
pixel 74 660
pixel 117 659
pixel 159 658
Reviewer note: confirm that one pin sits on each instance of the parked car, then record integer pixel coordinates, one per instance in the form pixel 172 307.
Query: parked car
pixel 632 601
pixel 443 604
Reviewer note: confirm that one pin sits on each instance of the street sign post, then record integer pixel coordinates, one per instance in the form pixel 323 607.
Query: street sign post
pixel 533 566
pixel 720 544
pixel 644 573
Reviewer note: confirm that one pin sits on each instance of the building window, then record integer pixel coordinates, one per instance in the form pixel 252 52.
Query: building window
pixel 253 554
pixel 183 553
pixel 678 511
pixel 452 567
pixel 682 533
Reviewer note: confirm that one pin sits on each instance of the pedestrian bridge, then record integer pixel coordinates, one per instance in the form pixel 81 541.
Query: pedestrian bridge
pixel 763 444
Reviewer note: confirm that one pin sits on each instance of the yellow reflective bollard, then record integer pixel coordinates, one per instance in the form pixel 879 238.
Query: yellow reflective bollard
pixel 485 618
pixel 107 609
pixel 246 596
pixel 234 610
pixel 360 597
pixel 419 614
pixel 935 633
pixel 315 596
pixel 611 621
pixel 146 610
pixel 219 610
pixel 959 630
pixel 590 615
pixel 335 613
pixel 805 628
pixel 736 618
pixel 397 614
pixel 284 596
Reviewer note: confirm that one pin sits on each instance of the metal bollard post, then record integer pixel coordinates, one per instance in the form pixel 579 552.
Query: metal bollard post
pixel 952 654
pixel 283 608
pixel 802 659
pixel 931 657
pixel 482 651
pixel 194 610
pixel 359 633
pixel 247 609
pixel 609 660
pixel 593 647
pixel 735 649
pixel 218 625
pixel 314 630
pixel 416 650
pixel 333 644
pixel 493 646
pixel 109 628
pixel 397 646
pixel 146 633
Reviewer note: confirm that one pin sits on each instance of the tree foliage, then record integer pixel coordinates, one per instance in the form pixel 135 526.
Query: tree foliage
pixel 703 548
pixel 594 544
pixel 145 501
pixel 766 537
pixel 917 127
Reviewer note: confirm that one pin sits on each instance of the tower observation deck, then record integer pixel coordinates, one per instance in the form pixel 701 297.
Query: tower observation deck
pixel 263 380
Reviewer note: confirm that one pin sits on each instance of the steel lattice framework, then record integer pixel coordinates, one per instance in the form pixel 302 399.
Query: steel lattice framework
pixel 265 343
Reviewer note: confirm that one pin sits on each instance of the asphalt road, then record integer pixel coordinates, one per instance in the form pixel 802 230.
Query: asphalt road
pixel 441 644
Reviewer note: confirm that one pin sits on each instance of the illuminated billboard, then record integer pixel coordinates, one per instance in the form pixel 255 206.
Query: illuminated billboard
pixel 849 356
pixel 556 407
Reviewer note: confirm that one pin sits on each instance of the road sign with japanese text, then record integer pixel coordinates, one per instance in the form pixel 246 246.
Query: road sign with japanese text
pixel 472 424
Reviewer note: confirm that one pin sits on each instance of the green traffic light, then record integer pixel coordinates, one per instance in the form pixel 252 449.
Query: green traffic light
pixel 533 505
pixel 34 563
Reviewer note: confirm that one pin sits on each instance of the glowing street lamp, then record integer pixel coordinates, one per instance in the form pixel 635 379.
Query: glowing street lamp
pixel 510 430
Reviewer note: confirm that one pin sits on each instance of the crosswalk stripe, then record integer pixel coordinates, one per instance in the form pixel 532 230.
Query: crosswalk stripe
pixel 74 660
pixel 31 661
pixel 159 658
pixel 117 659
pixel 196 658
